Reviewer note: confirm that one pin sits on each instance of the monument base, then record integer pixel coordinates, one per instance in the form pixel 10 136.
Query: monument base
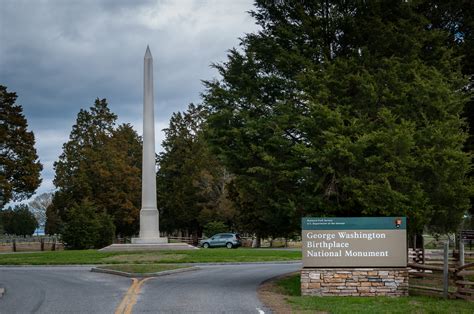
pixel 148 247
pixel 149 240
pixel 354 281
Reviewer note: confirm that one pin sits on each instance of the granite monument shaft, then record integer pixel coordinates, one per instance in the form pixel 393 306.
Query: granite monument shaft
pixel 149 216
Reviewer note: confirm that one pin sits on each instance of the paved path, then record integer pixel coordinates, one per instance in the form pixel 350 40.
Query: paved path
pixel 212 289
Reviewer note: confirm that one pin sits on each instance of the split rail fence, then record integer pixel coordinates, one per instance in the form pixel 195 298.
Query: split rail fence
pixel 30 244
pixel 442 273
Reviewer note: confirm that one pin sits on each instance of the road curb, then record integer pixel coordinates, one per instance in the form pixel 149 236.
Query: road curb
pixel 2 292
pixel 158 274
pixel 243 263
pixel 185 264
pixel 46 265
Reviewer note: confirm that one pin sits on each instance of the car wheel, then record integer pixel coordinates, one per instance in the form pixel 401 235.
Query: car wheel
pixel 205 245
pixel 229 245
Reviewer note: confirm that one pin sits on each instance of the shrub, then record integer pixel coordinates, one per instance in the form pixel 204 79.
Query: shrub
pixel 86 228
pixel 214 227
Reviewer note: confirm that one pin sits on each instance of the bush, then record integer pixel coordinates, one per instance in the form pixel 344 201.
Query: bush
pixel 18 221
pixel 86 228
pixel 213 227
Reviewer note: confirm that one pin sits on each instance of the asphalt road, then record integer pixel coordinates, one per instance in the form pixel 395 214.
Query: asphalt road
pixel 59 290
pixel 211 289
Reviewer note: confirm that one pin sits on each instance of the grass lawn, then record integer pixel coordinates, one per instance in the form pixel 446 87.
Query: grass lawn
pixel 162 257
pixel 142 268
pixel 290 287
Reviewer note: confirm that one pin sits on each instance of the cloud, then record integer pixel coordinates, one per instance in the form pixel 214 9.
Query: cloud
pixel 61 55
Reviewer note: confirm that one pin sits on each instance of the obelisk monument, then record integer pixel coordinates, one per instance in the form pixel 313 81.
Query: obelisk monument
pixel 149 216
pixel 149 238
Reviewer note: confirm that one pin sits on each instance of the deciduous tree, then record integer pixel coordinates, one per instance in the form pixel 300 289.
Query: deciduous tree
pixel 39 205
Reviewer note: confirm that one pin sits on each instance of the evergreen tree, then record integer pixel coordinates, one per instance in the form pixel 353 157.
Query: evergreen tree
pixel 19 165
pixel 457 18
pixel 18 221
pixel 100 163
pixel 342 109
pixel 191 183
pixel 120 174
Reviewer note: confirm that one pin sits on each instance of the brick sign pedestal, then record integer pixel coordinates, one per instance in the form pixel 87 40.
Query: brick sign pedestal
pixel 354 281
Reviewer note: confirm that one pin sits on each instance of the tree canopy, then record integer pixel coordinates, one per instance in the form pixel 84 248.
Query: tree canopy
pixel 191 182
pixel 19 165
pixel 101 163
pixel 342 108
pixel 39 205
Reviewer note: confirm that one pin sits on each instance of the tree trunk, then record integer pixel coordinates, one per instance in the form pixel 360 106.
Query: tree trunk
pixel 195 237
pixel 257 241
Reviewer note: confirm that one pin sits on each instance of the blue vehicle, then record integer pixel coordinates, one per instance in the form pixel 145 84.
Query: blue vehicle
pixel 228 240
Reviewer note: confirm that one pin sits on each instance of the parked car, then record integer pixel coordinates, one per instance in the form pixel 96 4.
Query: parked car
pixel 228 240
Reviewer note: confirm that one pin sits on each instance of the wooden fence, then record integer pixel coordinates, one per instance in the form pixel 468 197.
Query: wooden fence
pixel 30 244
pixel 464 276
pixel 442 273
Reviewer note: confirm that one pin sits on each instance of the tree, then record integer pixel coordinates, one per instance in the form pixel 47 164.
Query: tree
pixel 191 183
pixel 120 177
pixel 100 163
pixel 18 220
pixel 39 205
pixel 457 18
pixel 53 224
pixel 339 108
pixel 19 165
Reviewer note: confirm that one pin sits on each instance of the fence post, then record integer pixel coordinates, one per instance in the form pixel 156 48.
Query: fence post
pixel 422 249
pixel 461 253
pixel 14 245
pixel 445 270
pixel 53 247
pixel 42 244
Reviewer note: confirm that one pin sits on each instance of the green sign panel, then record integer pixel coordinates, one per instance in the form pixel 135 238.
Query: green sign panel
pixel 354 223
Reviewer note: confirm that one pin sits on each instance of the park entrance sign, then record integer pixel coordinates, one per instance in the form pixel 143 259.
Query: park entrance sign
pixel 354 242
pixel 363 256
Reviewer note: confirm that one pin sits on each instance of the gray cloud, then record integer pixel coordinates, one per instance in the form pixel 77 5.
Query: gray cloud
pixel 61 55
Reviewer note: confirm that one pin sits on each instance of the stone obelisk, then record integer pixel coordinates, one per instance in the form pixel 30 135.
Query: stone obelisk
pixel 149 239
pixel 149 216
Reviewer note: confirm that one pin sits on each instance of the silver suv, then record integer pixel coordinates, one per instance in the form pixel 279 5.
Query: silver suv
pixel 228 240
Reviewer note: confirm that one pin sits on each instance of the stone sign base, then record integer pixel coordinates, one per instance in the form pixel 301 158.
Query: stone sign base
pixel 354 281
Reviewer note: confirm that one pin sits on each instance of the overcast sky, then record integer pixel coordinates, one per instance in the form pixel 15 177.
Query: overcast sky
pixel 59 56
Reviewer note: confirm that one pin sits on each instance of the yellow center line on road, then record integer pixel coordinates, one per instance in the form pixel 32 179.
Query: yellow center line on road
pixel 134 296
pixel 130 297
pixel 126 297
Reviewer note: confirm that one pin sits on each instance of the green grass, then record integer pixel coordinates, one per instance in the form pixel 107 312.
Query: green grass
pixel 163 257
pixel 142 268
pixel 290 287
